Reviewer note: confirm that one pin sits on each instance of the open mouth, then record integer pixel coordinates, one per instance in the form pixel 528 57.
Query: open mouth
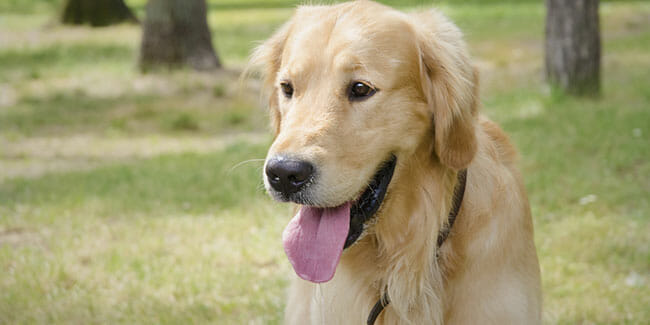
pixel 369 202
pixel 316 237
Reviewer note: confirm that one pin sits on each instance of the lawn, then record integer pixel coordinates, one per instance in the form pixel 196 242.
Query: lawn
pixel 131 198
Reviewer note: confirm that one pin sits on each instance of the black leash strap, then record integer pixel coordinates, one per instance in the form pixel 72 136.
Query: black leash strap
pixel 377 309
pixel 459 192
pixel 457 200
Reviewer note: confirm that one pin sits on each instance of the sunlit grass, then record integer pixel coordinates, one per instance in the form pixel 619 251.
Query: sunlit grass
pixel 130 198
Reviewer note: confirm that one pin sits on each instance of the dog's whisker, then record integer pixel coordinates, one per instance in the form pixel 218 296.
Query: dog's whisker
pixel 241 163
pixel 260 186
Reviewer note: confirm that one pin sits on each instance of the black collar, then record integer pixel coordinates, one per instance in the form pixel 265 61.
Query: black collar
pixel 457 200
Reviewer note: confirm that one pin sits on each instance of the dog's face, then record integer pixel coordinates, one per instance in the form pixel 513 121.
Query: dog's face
pixel 346 103
pixel 355 89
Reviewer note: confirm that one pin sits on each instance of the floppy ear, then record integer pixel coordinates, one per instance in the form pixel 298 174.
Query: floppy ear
pixel 267 59
pixel 450 86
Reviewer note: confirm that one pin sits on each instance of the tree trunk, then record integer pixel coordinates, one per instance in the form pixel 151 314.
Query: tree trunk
pixel 175 34
pixel 573 46
pixel 96 12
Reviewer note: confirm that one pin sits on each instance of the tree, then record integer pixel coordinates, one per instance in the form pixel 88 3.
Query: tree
pixel 176 33
pixel 573 46
pixel 96 12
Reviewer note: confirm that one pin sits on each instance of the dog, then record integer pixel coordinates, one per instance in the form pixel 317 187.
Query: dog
pixel 409 205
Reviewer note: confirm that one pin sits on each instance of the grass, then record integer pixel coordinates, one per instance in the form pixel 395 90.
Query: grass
pixel 130 198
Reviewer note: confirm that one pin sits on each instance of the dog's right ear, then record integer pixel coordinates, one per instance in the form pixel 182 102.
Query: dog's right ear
pixel 450 85
pixel 266 59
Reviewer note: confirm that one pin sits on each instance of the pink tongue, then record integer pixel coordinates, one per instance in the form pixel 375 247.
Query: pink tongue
pixel 313 241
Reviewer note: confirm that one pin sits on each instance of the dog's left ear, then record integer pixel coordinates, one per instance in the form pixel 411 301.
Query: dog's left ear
pixel 450 86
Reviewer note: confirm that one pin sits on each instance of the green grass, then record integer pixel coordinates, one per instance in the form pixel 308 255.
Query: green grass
pixel 130 198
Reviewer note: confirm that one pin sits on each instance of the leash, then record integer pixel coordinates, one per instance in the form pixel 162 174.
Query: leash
pixel 457 200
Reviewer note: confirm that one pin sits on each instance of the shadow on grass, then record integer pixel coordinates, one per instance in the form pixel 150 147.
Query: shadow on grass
pixel 64 55
pixel 61 113
pixel 76 112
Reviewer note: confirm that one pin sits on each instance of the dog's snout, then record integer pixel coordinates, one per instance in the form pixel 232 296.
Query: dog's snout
pixel 288 176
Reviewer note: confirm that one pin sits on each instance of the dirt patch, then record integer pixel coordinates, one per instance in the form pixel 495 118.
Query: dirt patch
pixel 33 157
pixel 19 236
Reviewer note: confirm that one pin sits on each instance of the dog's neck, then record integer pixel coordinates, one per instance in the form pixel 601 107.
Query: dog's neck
pixel 403 242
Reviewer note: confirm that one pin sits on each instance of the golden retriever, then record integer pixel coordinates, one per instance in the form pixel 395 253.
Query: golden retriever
pixel 375 114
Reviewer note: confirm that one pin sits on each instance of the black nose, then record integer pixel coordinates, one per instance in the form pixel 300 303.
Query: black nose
pixel 288 176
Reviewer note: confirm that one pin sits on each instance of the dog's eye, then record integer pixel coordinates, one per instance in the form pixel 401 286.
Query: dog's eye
pixel 360 90
pixel 287 89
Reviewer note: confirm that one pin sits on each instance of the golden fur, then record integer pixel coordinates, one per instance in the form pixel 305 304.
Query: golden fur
pixel 426 113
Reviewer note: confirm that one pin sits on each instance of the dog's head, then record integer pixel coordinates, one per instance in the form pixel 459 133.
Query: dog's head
pixel 355 90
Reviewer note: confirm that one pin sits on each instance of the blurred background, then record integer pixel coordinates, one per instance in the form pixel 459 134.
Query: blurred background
pixel 130 165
